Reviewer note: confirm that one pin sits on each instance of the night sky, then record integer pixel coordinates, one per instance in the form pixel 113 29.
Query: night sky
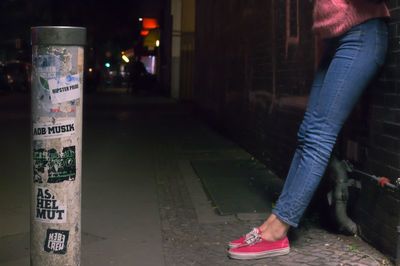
pixel 111 24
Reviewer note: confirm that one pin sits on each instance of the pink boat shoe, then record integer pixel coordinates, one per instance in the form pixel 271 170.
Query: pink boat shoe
pixel 247 239
pixel 260 248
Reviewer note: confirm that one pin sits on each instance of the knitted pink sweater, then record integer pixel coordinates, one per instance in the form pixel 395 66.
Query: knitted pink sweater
pixel 334 17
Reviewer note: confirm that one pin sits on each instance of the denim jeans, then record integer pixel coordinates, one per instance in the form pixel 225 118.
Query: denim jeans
pixel 349 63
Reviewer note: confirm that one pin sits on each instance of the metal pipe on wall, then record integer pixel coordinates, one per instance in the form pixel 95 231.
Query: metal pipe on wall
pixel 57 90
pixel 340 195
pixel 382 181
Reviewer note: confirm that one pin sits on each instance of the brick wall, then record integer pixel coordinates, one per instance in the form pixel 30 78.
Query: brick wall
pixel 254 68
pixel 377 143
pixel 249 77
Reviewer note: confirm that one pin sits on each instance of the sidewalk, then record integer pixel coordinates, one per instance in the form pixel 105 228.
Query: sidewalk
pixel 143 202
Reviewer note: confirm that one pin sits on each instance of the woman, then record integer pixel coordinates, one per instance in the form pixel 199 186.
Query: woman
pixel 355 36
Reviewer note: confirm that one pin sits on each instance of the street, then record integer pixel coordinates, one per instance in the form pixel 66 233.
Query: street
pixel 143 202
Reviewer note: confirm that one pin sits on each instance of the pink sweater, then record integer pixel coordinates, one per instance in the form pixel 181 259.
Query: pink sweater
pixel 334 17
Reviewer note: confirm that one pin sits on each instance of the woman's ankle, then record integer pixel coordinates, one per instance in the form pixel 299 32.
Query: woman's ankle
pixel 274 229
pixel 267 222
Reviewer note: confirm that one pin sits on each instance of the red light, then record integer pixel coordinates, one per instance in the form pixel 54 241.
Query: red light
pixel 150 23
pixel 144 32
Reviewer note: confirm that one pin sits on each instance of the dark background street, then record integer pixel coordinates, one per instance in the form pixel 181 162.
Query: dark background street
pixel 143 202
pixel 186 105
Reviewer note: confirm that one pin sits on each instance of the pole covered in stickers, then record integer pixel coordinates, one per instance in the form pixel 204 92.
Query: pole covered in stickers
pixel 57 98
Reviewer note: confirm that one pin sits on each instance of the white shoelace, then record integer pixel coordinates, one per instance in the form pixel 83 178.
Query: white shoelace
pixel 253 237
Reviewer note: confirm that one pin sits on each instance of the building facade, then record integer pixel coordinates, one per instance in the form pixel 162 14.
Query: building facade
pixel 254 63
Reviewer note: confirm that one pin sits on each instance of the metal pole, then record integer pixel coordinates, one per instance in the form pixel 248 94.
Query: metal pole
pixel 57 86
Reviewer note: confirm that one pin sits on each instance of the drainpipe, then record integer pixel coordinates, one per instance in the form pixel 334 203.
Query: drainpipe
pixel 340 195
pixel 384 183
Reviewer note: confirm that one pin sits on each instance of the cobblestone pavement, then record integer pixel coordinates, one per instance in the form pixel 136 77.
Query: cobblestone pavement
pixel 186 241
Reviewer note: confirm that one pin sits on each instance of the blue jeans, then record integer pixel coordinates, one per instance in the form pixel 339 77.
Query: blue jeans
pixel 349 63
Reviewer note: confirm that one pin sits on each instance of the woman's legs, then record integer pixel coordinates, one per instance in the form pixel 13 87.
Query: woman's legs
pixel 337 87
pixel 312 103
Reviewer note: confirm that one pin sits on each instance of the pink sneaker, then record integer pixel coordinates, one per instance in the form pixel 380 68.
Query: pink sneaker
pixel 247 239
pixel 260 249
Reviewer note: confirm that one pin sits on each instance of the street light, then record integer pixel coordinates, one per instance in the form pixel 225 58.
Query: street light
pixel 125 58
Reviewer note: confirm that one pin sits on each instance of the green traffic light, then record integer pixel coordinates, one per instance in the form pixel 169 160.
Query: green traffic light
pixel 107 64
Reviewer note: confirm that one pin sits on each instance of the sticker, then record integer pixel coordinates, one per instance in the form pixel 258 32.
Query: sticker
pixel 56 241
pixel 56 80
pixel 59 166
pixel 48 208
pixel 39 164
pixel 63 89
pixel 64 128
pixel 70 110
pixel 46 64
